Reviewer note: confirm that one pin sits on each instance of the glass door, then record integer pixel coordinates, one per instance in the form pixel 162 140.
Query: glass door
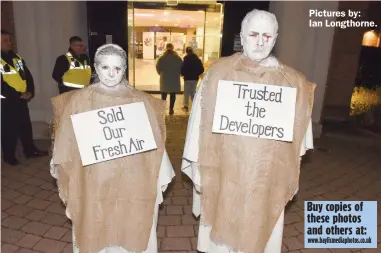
pixel 150 27
pixel 213 33
pixel 131 42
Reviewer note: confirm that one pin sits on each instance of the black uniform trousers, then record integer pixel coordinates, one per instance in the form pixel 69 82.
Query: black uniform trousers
pixel 16 123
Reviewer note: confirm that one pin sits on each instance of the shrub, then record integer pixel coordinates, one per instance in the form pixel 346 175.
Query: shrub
pixel 365 100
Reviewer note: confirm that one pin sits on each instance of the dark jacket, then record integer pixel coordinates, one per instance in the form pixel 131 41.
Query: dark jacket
pixel 9 92
pixel 192 67
pixel 169 68
pixel 62 65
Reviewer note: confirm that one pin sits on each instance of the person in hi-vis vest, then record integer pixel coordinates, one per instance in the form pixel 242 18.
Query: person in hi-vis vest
pixel 72 70
pixel 17 89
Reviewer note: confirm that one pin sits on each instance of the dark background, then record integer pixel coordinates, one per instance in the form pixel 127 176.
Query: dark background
pixel 110 18
pixel 106 18
pixel 234 12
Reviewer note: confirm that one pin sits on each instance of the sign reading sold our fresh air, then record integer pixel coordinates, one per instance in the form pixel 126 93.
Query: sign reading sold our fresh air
pixel 113 132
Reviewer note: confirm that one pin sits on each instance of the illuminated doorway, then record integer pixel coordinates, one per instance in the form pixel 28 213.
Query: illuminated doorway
pixel 149 29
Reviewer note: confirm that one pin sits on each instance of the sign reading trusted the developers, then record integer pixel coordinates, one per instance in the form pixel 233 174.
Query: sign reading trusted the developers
pixel 254 109
pixel 113 132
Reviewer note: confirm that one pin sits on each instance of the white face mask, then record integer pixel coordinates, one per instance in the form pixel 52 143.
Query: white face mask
pixel 110 69
pixel 258 37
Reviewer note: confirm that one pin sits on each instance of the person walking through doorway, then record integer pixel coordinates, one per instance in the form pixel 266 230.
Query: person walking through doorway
pixel 191 70
pixel 169 68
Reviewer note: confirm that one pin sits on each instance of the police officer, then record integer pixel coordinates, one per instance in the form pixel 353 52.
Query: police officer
pixel 72 70
pixel 17 88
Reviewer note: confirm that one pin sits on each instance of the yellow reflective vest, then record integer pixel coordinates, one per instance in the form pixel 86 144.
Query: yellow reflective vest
pixel 78 75
pixel 11 74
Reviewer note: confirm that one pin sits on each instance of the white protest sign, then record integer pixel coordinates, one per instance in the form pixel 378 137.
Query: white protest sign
pixel 113 132
pixel 254 109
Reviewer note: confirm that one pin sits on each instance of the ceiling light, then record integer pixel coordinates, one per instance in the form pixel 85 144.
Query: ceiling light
pixel 172 2
pixel 156 25
pixel 144 15
pixel 166 13
pixel 200 11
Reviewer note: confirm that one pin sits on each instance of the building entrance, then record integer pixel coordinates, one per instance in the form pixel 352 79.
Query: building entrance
pixel 151 26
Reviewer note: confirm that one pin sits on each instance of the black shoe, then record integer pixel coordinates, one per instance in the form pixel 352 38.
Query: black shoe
pixel 171 111
pixel 12 161
pixel 185 109
pixel 37 153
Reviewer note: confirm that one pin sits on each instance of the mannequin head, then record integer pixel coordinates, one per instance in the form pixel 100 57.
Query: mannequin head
pixel 259 31
pixel 110 63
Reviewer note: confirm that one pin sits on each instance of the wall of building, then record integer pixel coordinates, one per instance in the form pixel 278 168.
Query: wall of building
pixel 42 32
pixel 234 12
pixel 304 48
pixel 7 20
pixel 344 65
pixel 106 18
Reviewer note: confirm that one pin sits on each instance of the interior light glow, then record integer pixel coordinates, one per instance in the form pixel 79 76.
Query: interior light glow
pixel 144 15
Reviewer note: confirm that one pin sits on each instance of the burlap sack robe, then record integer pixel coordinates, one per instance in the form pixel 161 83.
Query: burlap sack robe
pixel 246 182
pixel 110 203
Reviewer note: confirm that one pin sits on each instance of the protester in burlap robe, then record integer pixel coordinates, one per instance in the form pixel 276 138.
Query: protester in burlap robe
pixel 113 205
pixel 242 184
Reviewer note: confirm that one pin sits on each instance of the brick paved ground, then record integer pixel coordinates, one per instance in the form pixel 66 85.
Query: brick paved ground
pixel 33 217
